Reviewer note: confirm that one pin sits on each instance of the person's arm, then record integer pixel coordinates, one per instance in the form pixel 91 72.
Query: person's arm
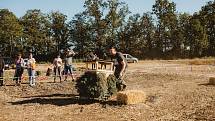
pixel 3 63
pixel 61 62
pixel 122 62
pixel 54 62
pixel 123 67
pixel 22 62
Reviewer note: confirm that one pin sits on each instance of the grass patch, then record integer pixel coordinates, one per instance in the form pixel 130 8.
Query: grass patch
pixel 202 62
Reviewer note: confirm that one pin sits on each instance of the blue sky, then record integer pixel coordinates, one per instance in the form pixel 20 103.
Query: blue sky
pixel 71 7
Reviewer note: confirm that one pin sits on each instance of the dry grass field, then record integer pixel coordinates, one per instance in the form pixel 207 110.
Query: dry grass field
pixel 176 91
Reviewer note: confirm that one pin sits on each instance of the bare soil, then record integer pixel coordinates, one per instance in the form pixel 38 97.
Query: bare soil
pixel 176 91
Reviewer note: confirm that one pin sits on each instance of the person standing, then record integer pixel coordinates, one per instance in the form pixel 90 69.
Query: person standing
pixel 120 67
pixel 19 69
pixel 1 70
pixel 68 65
pixel 57 67
pixel 31 70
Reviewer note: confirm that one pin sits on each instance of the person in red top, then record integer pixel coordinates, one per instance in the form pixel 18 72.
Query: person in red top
pixel 19 69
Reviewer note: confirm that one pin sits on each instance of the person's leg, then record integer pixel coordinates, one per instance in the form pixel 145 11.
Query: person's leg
pixel 71 72
pixel 59 73
pixel 121 85
pixel 66 69
pixel 16 76
pixel 20 76
pixel 55 73
pixel 33 78
pixel 116 74
pixel 1 78
pixel 30 76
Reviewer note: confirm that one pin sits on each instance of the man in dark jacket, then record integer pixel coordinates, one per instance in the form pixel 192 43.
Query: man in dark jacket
pixel 120 67
pixel 1 70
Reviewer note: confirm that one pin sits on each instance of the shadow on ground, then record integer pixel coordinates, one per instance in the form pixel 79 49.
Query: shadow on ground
pixel 63 100
pixel 206 84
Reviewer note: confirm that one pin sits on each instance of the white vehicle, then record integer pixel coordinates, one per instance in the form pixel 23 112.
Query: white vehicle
pixel 25 62
pixel 8 62
pixel 130 59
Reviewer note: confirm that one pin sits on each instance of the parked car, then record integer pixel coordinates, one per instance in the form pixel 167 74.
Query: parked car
pixel 130 59
pixel 25 62
pixel 8 63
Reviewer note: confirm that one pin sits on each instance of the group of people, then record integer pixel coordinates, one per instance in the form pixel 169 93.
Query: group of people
pixel 68 69
pixel 120 65
pixel 20 66
pixel 31 69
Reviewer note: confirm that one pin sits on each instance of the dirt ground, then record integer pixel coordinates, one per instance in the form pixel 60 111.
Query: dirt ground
pixel 176 91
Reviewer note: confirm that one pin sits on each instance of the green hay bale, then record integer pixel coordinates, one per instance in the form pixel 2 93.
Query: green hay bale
pixel 96 85
pixel 38 73
pixel 111 81
pixel 92 85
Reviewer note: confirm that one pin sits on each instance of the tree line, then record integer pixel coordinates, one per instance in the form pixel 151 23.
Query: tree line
pixel 161 33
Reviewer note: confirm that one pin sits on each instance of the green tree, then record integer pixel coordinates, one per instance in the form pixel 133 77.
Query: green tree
pixel 207 17
pixel 101 22
pixel 130 35
pixel 60 31
pixel 166 25
pixel 197 38
pixel 81 34
pixel 36 31
pixel 94 14
pixel 183 38
pixel 117 12
pixel 137 35
pixel 10 32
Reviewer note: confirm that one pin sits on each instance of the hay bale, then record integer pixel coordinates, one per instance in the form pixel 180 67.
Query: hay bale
pixel 131 97
pixel 96 85
pixel 92 85
pixel 111 82
pixel 49 72
pixel 212 80
pixel 38 73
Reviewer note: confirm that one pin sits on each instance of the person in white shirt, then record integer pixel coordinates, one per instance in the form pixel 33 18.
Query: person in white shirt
pixel 57 67
pixel 31 65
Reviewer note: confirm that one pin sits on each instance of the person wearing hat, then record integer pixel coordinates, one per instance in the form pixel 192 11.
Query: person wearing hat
pixel 1 70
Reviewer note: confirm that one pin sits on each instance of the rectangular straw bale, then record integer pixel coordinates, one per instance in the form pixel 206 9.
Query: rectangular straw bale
pixel 131 97
pixel 212 80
